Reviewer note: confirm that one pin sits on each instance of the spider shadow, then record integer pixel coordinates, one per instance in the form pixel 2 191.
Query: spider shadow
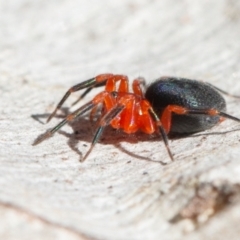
pixel 109 136
pixel 116 137
pixel 38 117
pixel 84 130
pixel 208 132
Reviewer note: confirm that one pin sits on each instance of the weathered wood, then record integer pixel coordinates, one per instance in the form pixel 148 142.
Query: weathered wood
pixel 124 190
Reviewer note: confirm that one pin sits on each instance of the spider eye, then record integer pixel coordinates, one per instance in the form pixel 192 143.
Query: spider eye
pixel 114 94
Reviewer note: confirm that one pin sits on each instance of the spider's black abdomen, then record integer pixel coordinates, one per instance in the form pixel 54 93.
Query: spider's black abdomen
pixel 189 94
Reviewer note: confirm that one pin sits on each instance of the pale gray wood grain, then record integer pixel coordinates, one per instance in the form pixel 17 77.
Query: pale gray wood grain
pixel 122 191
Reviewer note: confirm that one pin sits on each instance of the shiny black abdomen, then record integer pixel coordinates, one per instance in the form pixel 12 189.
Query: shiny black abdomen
pixel 189 94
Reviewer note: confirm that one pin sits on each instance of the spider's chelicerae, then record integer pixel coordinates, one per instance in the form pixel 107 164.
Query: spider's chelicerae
pixel 168 105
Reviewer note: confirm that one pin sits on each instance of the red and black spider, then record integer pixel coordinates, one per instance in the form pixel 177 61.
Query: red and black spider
pixel 168 105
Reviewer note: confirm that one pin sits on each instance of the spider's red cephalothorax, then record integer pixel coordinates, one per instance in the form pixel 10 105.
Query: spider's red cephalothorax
pixel 124 110
pixel 169 104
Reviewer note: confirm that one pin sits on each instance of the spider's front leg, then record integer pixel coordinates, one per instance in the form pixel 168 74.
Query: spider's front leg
pixel 112 110
pixel 137 85
pixel 89 84
pixel 88 106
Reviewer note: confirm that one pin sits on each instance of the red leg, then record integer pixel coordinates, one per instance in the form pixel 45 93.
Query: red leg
pixel 128 121
pixel 167 114
pixel 105 120
pixel 103 97
pixel 123 85
pixel 145 121
pixel 86 84
pixel 166 117
pixel 110 80
pixel 111 83
pixel 69 118
pixel 162 131
pixel 136 86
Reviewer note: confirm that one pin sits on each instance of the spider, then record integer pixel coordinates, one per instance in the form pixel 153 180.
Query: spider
pixel 168 105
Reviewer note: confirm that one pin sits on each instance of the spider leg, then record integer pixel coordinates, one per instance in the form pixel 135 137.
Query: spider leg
pixel 100 79
pixel 213 112
pixel 104 96
pixel 162 131
pixel 123 86
pixel 222 91
pixel 88 106
pixel 87 91
pixel 105 121
pixel 136 86
pixel 94 114
pixel 167 114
